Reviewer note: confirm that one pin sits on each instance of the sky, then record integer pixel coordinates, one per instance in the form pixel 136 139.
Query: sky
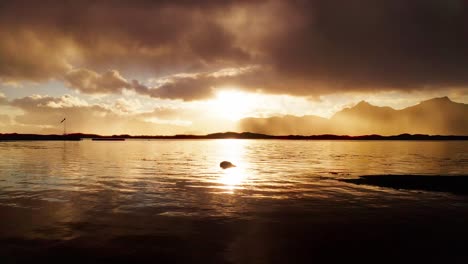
pixel 171 67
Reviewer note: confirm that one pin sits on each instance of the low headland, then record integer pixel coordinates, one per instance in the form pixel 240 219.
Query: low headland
pixel 434 183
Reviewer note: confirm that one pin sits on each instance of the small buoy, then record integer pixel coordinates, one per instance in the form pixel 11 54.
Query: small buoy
pixel 226 165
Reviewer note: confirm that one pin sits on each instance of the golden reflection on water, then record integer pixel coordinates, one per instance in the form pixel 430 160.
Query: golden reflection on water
pixel 234 151
pixel 232 179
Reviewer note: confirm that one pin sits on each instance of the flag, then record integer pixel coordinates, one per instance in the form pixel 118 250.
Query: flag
pixel 62 121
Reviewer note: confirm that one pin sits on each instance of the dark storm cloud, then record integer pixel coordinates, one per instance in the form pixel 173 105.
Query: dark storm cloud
pixel 27 55
pixel 374 44
pixel 40 40
pixel 302 47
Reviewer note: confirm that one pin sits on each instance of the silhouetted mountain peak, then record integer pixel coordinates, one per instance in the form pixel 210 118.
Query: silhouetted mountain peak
pixel 363 104
pixel 363 107
pixel 366 106
pixel 438 100
pixel 437 116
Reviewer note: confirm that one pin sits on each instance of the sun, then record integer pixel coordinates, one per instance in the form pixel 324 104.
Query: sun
pixel 233 104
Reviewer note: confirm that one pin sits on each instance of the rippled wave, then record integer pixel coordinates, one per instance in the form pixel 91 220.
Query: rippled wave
pixel 185 175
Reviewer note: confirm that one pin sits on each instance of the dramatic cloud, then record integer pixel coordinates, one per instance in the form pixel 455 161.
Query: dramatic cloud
pixel 93 83
pixel 302 47
pixel 41 40
pixel 200 85
pixel 372 44
pixel 29 55
pixel 188 87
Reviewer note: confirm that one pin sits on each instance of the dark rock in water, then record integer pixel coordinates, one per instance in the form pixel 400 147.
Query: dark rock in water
pixel 440 183
pixel 226 165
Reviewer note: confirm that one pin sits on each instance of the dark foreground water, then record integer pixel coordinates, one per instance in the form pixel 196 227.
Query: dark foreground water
pixel 170 202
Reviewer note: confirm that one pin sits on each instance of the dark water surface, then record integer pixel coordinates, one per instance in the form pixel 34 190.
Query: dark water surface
pixel 168 201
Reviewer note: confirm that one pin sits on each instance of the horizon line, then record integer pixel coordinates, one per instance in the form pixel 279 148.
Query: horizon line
pixel 231 135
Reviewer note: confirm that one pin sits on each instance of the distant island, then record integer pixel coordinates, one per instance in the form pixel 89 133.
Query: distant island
pixel 228 135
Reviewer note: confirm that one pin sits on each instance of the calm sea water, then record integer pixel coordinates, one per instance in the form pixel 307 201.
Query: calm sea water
pixel 172 197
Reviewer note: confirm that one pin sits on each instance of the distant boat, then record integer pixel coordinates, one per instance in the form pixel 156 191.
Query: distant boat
pixel 109 139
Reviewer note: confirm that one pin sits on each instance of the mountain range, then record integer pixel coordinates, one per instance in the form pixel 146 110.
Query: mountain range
pixel 437 116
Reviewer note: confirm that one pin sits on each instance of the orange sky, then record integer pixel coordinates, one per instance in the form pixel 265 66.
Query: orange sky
pixel 167 67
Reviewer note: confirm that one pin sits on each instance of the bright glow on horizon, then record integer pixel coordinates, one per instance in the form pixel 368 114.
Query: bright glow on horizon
pixel 233 105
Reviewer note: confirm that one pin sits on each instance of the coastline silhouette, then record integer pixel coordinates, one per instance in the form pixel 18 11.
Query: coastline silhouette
pixel 226 135
pixel 434 183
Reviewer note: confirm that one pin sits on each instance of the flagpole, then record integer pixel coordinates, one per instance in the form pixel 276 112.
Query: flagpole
pixel 64 121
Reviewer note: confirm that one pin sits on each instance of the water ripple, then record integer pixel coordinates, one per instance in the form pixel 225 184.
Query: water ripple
pixel 184 178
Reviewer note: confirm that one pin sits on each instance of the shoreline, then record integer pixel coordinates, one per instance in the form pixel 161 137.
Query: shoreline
pixel 230 135
pixel 434 183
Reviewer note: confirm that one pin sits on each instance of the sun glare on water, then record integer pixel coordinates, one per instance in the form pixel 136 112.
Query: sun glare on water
pixel 233 178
